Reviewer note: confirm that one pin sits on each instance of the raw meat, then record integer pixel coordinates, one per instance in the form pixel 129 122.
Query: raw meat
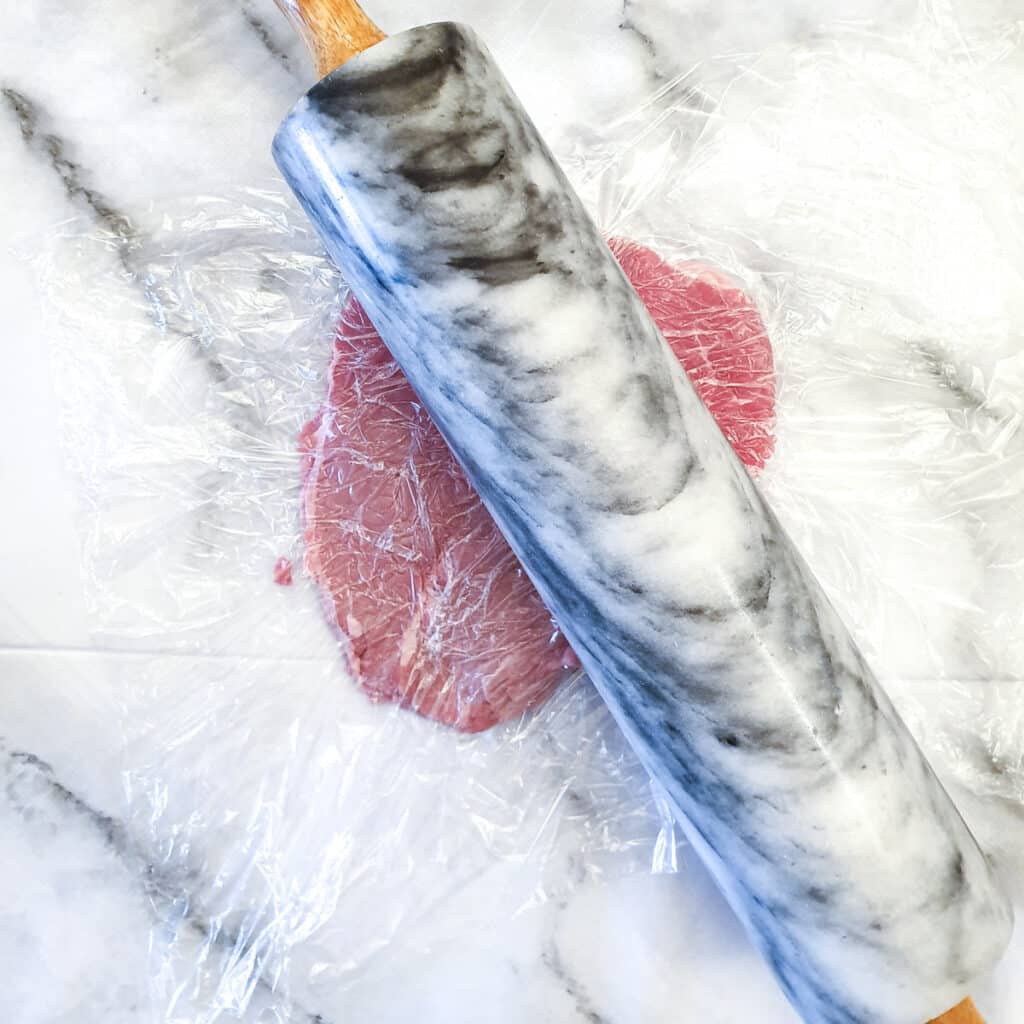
pixel 717 334
pixel 434 609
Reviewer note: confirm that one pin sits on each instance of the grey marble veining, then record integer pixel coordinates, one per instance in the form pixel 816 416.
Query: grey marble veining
pixel 702 627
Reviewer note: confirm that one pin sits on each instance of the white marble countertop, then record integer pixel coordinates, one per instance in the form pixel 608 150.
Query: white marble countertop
pixel 150 871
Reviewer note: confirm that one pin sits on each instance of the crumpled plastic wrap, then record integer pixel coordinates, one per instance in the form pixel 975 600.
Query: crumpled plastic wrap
pixel 301 829
pixel 279 811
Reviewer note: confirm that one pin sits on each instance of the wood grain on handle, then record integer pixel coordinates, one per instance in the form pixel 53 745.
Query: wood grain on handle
pixel 965 1013
pixel 334 30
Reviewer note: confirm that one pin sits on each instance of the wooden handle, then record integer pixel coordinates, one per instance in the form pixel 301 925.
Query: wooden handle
pixel 334 30
pixel 965 1013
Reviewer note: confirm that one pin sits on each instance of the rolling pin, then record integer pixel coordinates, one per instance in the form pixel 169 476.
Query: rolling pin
pixel 704 630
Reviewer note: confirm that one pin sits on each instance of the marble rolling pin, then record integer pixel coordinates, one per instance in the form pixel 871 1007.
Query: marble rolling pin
pixel 697 620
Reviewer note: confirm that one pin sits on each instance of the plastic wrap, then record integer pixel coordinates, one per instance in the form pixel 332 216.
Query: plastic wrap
pixel 303 838
pixel 254 761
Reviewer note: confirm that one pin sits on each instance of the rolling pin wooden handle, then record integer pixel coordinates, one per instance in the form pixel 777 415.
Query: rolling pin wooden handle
pixel 965 1013
pixel 334 30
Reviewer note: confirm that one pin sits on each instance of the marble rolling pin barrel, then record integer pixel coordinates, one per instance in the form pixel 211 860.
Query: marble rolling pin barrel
pixel 699 623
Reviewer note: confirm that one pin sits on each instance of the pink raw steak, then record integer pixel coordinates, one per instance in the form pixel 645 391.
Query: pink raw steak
pixel 435 611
